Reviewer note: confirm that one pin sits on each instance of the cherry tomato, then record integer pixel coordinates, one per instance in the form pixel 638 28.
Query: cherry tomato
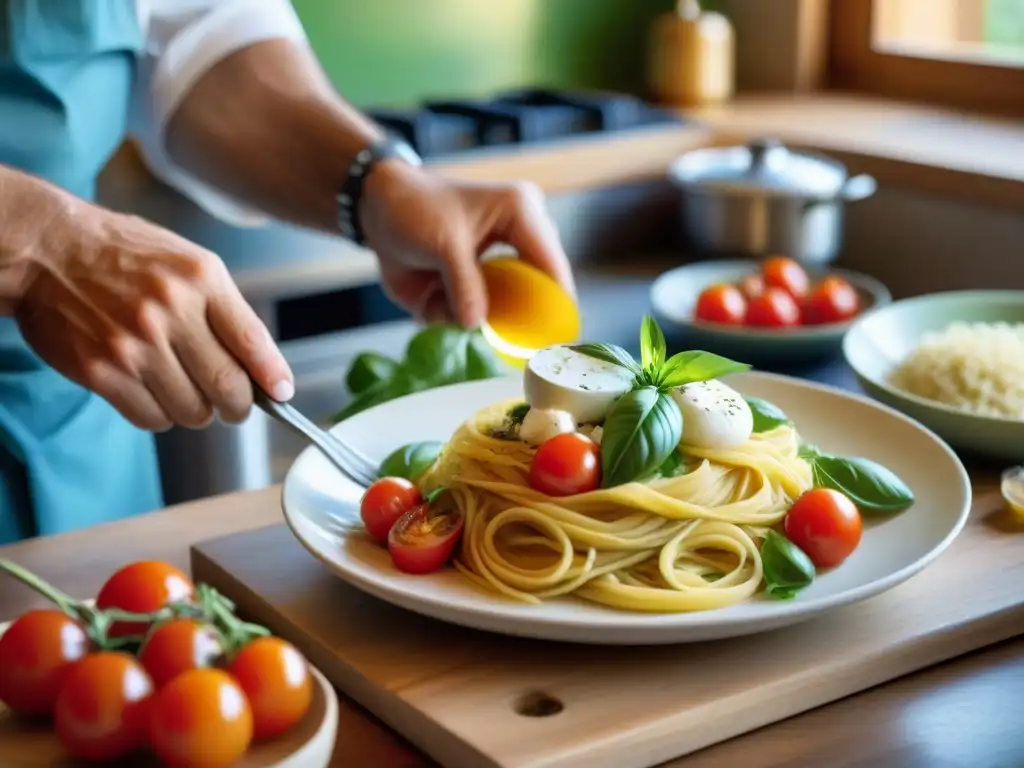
pixel 826 525
pixel 832 301
pixel 36 653
pixel 102 709
pixel 721 304
pixel 773 309
pixel 143 587
pixel 201 719
pixel 787 274
pixel 566 465
pixel 277 683
pixel 177 646
pixel 384 502
pixel 424 538
pixel 752 285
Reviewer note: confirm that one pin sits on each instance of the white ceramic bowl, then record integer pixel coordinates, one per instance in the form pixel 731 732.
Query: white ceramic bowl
pixel 878 342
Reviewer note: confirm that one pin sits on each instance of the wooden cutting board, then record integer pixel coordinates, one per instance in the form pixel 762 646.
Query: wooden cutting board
pixel 472 699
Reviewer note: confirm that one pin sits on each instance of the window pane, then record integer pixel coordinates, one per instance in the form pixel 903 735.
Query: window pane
pixel 952 29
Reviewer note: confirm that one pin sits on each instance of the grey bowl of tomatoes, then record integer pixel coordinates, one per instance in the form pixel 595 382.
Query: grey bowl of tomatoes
pixel 763 312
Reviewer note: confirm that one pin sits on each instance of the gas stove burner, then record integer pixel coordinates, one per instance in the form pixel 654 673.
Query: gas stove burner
pixel 528 116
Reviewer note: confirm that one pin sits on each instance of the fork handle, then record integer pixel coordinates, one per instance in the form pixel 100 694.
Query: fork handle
pixel 294 419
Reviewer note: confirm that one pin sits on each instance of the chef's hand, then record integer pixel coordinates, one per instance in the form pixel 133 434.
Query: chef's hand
pixel 148 320
pixel 429 233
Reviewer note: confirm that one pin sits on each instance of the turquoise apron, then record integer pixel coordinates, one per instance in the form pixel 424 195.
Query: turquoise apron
pixel 67 459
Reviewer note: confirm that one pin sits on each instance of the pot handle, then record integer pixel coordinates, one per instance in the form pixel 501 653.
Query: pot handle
pixel 857 188
pixel 759 149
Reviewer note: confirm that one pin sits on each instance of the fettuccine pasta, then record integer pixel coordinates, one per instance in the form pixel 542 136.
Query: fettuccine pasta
pixel 686 543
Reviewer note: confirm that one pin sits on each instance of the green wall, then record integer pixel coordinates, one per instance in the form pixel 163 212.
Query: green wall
pixel 396 52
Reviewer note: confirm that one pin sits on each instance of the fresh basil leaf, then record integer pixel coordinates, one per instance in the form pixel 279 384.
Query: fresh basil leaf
pixel 437 354
pixel 640 431
pixel 410 461
pixel 481 362
pixel 869 485
pixel 652 345
pixel 808 451
pixel 367 370
pixel 609 353
pixel 713 577
pixel 688 367
pixel 400 385
pixel 672 466
pixel 517 413
pixel 767 416
pixel 787 569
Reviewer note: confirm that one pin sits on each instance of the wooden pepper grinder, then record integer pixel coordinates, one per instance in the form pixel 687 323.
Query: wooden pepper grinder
pixel 692 57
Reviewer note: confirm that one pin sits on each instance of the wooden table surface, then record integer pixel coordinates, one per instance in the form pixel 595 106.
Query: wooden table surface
pixel 963 713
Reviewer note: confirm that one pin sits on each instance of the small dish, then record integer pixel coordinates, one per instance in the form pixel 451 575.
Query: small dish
pixel 674 299
pixel 878 342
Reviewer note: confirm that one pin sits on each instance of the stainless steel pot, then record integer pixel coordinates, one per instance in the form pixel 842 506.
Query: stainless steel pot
pixel 766 198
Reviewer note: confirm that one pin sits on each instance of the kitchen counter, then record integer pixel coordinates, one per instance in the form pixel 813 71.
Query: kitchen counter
pixel 962 713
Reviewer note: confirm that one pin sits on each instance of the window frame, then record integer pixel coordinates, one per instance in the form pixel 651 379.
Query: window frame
pixel 972 83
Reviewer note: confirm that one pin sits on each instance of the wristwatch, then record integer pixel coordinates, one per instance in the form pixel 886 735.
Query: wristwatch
pixel 351 192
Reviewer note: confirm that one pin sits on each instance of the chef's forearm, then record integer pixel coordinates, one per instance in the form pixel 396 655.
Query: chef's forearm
pixel 34 218
pixel 266 126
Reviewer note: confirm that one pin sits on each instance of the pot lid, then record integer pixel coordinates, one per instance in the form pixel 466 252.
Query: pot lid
pixel 762 166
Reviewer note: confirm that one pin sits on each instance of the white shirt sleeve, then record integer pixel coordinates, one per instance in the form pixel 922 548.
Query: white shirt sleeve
pixel 184 39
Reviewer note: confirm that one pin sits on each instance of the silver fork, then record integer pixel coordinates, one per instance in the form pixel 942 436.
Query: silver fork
pixel 350 461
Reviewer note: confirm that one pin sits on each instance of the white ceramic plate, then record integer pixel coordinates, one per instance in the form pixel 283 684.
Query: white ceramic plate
pixel 321 507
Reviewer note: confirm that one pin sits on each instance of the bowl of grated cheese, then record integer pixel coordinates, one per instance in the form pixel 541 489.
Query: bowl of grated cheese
pixel 952 360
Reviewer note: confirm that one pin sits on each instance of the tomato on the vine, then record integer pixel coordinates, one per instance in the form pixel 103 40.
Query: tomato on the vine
pixel 277 682
pixel 826 525
pixel 177 646
pixel 37 652
pixel 384 502
pixel 774 308
pixel 201 719
pixel 424 538
pixel 787 274
pixel 143 587
pixel 565 465
pixel 721 304
pixel 102 709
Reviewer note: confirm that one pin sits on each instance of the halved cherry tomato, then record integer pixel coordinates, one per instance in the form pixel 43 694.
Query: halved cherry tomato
pixel 721 304
pixel 751 286
pixel 424 538
pixel 384 502
pixel 143 587
pixel 102 709
pixel 201 719
pixel 826 525
pixel 832 301
pixel 566 465
pixel 177 646
pixel 787 274
pixel 37 652
pixel 774 308
pixel 276 680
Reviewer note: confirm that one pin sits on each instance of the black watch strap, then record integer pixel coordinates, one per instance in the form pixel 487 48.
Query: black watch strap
pixel 351 192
